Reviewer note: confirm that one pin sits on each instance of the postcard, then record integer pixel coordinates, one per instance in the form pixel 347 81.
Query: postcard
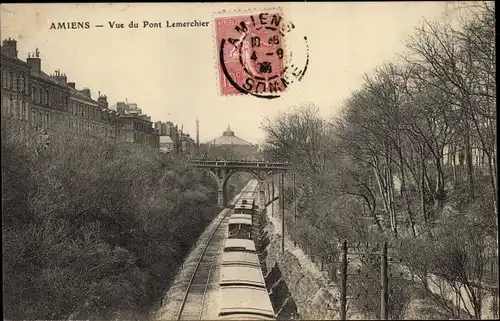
pixel 287 160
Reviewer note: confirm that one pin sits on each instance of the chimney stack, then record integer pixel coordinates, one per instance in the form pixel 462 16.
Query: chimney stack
pixel 102 101
pixel 35 62
pixel 58 76
pixel 86 92
pixel 10 47
pixel 72 85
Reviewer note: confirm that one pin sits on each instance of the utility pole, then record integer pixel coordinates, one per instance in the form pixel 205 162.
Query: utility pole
pixel 294 200
pixel 272 200
pixel 282 199
pixel 294 206
pixel 384 283
pixel 343 284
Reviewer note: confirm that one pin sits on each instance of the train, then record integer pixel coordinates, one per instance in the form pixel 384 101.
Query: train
pixel 243 289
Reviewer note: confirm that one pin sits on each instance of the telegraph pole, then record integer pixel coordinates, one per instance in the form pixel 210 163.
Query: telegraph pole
pixel 384 283
pixel 272 200
pixel 294 200
pixel 282 199
pixel 343 284
pixel 294 206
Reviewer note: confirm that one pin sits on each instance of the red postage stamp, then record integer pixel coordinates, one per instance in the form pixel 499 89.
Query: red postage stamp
pixel 251 53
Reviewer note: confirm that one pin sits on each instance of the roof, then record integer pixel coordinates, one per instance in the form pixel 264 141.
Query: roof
pixel 247 244
pixel 228 138
pixel 243 211
pixel 140 117
pixel 244 316
pixel 239 220
pixel 243 274
pixel 240 258
pixel 166 140
pixel 79 94
pixel 4 54
pixel 237 299
pixel 246 202
pixel 42 75
pixel 242 216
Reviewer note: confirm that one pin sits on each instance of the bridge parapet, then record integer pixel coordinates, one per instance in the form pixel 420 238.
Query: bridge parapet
pixel 239 164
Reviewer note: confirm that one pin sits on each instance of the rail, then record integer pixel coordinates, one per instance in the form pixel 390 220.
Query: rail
pixel 186 294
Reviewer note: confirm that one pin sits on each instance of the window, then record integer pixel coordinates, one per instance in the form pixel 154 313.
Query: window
pixel 21 85
pixel 14 82
pixel 23 110
pixel 8 106
pixel 9 80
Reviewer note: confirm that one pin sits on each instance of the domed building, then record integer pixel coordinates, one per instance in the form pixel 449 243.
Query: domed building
pixel 230 146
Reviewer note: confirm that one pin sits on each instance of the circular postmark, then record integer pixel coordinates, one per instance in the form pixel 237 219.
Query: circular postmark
pixel 255 55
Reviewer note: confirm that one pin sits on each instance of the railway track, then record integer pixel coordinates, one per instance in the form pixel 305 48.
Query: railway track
pixel 193 303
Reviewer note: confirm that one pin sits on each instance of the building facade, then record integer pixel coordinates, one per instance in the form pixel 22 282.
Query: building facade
pixel 166 144
pixel 16 85
pixel 86 116
pixel 49 98
pixel 181 142
pixel 164 128
pixel 44 103
pixel 136 127
pixel 188 145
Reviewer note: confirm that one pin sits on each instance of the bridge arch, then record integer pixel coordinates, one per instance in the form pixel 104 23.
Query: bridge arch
pixel 221 177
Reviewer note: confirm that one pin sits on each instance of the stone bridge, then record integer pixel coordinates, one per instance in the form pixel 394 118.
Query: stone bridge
pixel 223 169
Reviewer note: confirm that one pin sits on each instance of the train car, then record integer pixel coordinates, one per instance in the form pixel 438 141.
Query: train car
pixel 239 245
pixel 240 227
pixel 241 215
pixel 240 258
pixel 244 208
pixel 240 302
pixel 242 275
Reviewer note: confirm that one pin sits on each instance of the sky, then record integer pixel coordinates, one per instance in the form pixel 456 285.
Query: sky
pixel 172 73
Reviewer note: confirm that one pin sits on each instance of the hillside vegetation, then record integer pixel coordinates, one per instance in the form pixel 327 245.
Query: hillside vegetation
pixel 93 229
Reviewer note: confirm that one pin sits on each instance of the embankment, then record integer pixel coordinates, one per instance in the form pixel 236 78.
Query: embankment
pixel 298 289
